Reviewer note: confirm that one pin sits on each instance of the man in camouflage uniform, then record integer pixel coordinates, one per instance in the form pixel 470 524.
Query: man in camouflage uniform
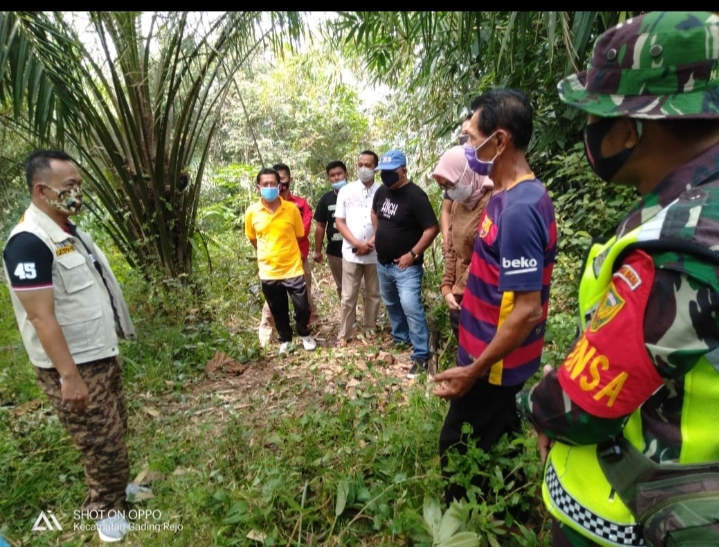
pixel 70 311
pixel 646 366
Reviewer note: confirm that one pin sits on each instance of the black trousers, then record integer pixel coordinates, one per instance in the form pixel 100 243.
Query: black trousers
pixel 276 291
pixel 491 411
pixel 454 322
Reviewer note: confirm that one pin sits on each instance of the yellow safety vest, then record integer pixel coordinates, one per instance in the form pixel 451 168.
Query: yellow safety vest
pixel 575 489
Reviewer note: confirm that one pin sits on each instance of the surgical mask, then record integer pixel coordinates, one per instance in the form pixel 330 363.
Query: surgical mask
pixel 460 193
pixel 270 193
pixel 339 184
pixel 68 201
pixel 365 174
pixel 389 178
pixel 480 167
pixel 594 134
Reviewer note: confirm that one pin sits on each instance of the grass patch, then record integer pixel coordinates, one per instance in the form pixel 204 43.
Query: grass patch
pixel 330 448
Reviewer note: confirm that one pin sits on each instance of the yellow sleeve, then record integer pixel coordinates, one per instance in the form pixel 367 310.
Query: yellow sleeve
pixel 249 227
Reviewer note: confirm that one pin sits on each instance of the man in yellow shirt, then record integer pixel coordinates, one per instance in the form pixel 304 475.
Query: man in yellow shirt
pixel 273 226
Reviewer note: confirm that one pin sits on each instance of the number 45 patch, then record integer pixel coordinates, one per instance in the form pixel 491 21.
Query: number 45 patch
pixel 25 270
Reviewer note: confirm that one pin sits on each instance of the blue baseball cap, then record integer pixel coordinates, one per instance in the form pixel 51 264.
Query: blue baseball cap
pixel 391 160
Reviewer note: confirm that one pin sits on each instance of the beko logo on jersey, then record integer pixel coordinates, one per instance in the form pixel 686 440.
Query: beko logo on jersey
pixel 519 265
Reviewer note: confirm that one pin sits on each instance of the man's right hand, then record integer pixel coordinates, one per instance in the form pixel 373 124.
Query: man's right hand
pixel 75 396
pixel 364 248
pixel 318 256
pixel 454 382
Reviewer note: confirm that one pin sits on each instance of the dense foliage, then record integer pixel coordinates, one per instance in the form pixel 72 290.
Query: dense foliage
pixel 138 109
pixel 171 122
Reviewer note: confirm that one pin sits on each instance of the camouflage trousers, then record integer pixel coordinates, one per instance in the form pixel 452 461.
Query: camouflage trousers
pixel 99 432
pixel 564 536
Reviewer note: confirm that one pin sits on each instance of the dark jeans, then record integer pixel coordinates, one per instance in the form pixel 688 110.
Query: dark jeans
pixel 401 291
pixel 491 411
pixel 276 291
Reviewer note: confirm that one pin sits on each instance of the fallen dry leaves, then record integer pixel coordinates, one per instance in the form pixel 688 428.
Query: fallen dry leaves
pixel 222 361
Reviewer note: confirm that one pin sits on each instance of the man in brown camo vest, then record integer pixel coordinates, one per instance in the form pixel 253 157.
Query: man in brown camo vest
pixel 70 311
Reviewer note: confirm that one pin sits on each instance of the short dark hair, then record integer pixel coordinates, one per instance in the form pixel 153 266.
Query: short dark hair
pixel 370 153
pixel 39 162
pixel 267 171
pixel 282 167
pixel 336 163
pixel 505 109
pixel 468 116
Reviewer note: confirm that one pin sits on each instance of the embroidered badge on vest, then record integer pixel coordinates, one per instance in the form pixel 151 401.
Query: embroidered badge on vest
pixel 608 309
pixel 629 276
pixel 609 372
pixel 63 249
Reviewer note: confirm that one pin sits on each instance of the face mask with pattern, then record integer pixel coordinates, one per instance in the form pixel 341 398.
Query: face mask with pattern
pixel 68 201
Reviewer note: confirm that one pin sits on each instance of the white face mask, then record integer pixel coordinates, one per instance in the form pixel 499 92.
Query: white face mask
pixel 365 174
pixel 460 193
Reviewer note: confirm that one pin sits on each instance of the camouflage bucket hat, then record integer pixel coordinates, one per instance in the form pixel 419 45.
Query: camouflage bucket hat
pixel 657 65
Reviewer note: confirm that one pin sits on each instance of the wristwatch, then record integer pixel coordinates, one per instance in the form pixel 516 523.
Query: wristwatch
pixel 414 255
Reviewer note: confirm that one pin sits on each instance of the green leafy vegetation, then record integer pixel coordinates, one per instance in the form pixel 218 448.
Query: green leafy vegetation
pixel 296 453
pixel 333 447
pixel 139 123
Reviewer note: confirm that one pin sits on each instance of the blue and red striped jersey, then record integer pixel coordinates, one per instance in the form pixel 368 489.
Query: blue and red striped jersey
pixel 514 252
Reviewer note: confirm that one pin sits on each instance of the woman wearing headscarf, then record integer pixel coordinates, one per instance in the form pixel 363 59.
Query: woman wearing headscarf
pixel 470 193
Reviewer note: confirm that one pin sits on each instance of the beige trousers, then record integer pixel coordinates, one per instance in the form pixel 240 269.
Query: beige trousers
pixel 352 276
pixel 335 263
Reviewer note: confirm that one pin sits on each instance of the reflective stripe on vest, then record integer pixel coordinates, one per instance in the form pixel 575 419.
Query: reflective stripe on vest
pixel 582 484
pixel 575 489
pixel 583 519
pixel 577 494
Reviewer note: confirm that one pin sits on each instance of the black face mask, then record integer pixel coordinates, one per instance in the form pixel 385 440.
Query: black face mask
pixel 389 178
pixel 594 134
pixel 284 186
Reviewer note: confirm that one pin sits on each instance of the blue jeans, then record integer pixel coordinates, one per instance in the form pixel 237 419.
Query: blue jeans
pixel 401 292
